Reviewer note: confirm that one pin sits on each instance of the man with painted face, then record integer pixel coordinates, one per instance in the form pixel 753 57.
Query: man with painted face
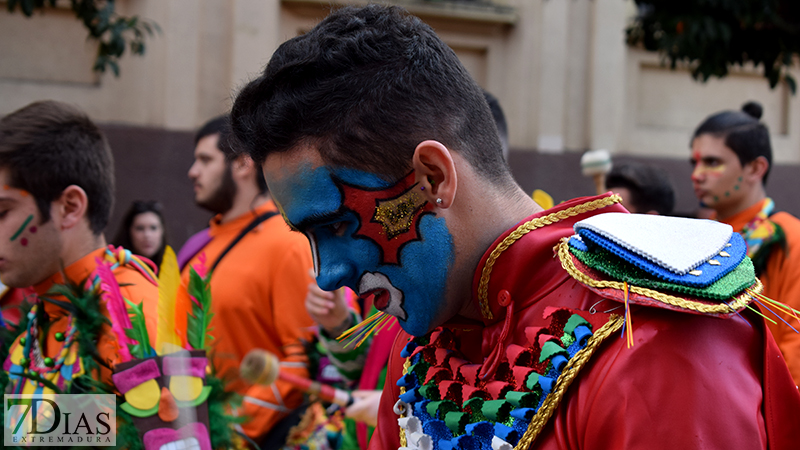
pixel 378 146
pixel 732 156
pixel 259 280
pixel 57 177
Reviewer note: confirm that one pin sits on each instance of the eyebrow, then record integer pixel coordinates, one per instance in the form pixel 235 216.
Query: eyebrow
pixel 136 375
pixel 319 218
pixel 193 366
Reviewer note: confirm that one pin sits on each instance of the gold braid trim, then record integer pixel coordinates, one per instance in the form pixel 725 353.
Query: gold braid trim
pixel 739 302
pixel 525 228
pixel 566 378
pixel 403 439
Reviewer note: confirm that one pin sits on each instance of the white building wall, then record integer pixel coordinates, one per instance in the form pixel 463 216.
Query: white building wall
pixel 560 68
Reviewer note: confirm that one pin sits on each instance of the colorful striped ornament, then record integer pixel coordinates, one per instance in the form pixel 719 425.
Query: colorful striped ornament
pixel 447 406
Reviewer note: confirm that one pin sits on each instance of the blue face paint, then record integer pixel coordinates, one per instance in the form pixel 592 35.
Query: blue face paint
pixel 380 239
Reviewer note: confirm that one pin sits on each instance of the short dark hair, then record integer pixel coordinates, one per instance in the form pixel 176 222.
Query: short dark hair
pixel 123 237
pixel 650 187
pixel 365 87
pixel 221 125
pixel 743 132
pixel 48 146
pixel 499 120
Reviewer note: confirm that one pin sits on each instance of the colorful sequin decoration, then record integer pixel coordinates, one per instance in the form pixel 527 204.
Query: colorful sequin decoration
pixel 67 365
pixel 447 406
pixel 21 361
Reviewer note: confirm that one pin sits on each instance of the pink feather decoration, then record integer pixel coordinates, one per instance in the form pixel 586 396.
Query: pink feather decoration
pixel 200 267
pixel 115 305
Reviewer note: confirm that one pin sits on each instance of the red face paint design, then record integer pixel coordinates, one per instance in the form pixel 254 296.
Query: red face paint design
pixel 389 217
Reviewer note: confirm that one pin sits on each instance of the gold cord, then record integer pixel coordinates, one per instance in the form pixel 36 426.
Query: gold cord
pixel 525 228
pixel 566 378
pixel 403 439
pixel 739 302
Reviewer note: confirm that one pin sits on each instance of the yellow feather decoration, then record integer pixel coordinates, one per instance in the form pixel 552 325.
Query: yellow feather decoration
pixel 169 278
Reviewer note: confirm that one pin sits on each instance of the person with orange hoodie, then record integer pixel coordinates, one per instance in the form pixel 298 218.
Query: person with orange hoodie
pixel 259 278
pixel 732 157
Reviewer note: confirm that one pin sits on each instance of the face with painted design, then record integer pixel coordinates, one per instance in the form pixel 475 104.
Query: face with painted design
pixel 717 176
pixel 379 238
pixel 29 249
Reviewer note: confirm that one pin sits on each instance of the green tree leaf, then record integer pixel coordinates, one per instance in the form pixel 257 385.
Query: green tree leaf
pixel 710 36
pixel 112 32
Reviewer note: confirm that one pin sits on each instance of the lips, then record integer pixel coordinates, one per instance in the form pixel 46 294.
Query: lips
pixel 171 439
pixel 699 192
pixel 387 297
pixel 183 444
pixel 381 298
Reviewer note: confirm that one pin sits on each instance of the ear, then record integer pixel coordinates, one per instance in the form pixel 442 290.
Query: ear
pixel 755 170
pixel 435 173
pixel 242 167
pixel 71 208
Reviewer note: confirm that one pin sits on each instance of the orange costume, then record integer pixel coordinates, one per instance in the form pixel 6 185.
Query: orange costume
pixel 137 284
pixel 781 278
pixel 258 292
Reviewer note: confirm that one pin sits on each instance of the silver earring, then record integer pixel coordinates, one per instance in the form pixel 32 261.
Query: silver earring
pixel 438 201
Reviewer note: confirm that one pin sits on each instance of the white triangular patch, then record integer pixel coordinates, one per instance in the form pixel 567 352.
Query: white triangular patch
pixel 677 244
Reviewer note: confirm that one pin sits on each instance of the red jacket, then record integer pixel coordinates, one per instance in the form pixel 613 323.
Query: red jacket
pixel 690 380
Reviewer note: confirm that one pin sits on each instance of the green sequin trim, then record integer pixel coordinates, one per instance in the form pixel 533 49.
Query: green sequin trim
pixel 726 287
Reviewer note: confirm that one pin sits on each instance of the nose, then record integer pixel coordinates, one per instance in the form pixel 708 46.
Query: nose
pixel 167 408
pixel 334 274
pixel 193 171
pixel 697 173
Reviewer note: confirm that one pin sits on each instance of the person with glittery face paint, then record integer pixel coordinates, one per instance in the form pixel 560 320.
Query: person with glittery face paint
pixel 380 148
pixel 57 177
pixel 731 159
pixel 259 279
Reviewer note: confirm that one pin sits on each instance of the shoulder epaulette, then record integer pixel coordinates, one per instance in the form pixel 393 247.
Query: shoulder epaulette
pixel 698 266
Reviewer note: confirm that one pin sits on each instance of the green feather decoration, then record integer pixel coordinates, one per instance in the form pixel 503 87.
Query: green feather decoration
pixel 138 332
pixel 199 320
pixel 84 306
pixel 8 336
pixel 220 422
pixel 127 434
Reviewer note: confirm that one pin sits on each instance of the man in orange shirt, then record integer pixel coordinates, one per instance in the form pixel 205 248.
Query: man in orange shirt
pixel 731 155
pixel 57 178
pixel 259 280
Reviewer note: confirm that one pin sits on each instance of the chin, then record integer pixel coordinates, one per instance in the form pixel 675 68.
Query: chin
pixel 416 328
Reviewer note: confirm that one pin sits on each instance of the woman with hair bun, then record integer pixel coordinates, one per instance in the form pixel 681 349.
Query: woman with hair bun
pixel 143 231
pixel 732 156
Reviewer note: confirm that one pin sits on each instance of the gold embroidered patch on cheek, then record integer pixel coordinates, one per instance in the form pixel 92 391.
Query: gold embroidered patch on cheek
pixel 397 215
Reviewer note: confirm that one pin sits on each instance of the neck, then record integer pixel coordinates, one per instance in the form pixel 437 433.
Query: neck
pixel 499 211
pixel 247 198
pixel 754 196
pixel 79 244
